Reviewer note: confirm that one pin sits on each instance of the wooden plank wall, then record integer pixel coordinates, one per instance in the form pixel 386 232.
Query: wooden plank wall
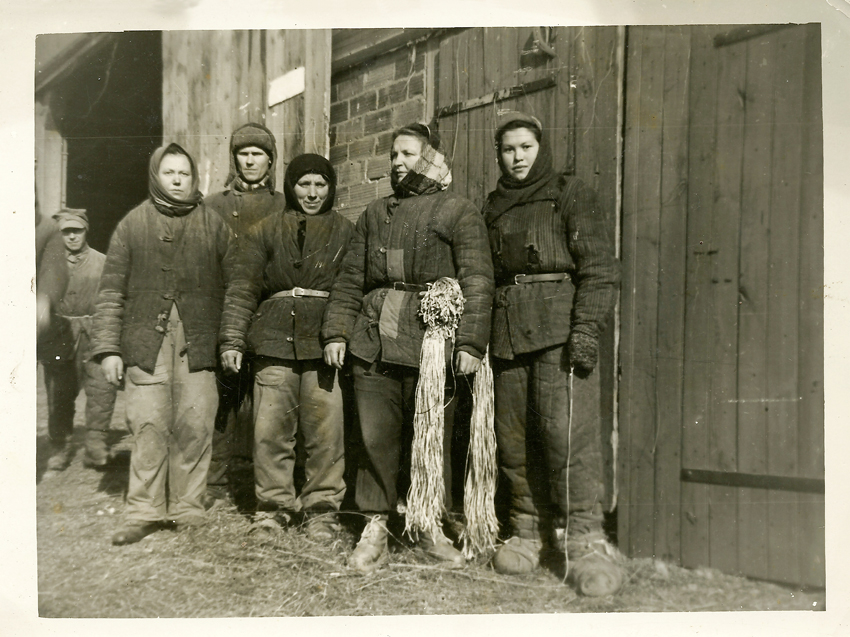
pixel 579 115
pixel 50 162
pixel 722 339
pixel 215 81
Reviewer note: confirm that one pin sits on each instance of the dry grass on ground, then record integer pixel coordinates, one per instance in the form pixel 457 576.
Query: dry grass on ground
pixel 221 570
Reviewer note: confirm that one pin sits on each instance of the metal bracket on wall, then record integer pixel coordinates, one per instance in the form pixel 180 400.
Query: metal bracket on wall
pixel 753 480
pixel 497 96
pixel 746 33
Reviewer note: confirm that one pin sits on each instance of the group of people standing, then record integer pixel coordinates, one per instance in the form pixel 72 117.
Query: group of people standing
pixel 251 297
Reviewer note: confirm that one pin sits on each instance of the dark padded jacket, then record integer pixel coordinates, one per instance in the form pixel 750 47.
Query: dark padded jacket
pixel 415 240
pixel 242 210
pixel 560 230
pixel 268 261
pixel 153 261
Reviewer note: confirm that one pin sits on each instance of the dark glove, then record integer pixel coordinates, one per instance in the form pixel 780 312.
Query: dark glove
pixel 583 352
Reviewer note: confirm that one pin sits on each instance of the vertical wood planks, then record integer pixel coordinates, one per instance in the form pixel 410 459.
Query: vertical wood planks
pixel 275 116
pixel 493 42
pixel 810 508
pixel 699 295
pixel 725 218
pixel 317 94
pixel 629 284
pixel 476 133
pixel 752 308
pixel 648 207
pixel 783 318
pixel 596 161
pixel 641 210
pixel 671 293
pixel 563 123
pixel 460 92
pixel 175 99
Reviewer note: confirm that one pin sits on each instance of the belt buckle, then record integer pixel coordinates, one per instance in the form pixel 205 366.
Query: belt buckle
pixel 398 286
pixel 297 291
pixel 519 278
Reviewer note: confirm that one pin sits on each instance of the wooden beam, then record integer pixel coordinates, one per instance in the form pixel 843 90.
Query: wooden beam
pixel 355 46
pixel 76 55
pixel 497 96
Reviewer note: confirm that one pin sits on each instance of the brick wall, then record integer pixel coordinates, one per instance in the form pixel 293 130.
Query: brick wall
pixel 368 102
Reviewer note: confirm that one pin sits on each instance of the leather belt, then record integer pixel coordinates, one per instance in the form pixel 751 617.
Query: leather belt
pixel 401 286
pixel 296 292
pixel 537 278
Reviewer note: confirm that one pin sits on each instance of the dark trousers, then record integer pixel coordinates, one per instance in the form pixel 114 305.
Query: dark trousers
pixel 63 379
pixel 385 396
pixel 235 409
pixel 535 441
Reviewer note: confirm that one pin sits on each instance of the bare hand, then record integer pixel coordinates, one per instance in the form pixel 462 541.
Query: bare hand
pixel 466 363
pixel 231 361
pixel 335 354
pixel 113 369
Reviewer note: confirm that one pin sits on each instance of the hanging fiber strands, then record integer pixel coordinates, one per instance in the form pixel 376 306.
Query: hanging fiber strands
pixel 479 491
pixel 440 308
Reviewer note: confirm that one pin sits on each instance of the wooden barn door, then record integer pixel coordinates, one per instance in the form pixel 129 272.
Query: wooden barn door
pixel 216 81
pixel 722 393
pixel 567 78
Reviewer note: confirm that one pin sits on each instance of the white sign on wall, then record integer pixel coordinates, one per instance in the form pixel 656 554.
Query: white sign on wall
pixel 286 86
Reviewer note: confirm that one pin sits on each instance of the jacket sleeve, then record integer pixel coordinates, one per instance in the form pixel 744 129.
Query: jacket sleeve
pixel 346 297
pixel 474 267
pixel 597 270
pixel 243 272
pixel 108 319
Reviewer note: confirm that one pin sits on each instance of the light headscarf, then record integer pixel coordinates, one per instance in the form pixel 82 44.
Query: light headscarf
pixel 163 201
pixel 431 172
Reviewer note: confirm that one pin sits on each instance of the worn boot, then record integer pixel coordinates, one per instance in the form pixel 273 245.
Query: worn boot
pixel 372 551
pixel 133 532
pixel 595 567
pixel 517 556
pixel 60 457
pixel 97 451
pixel 322 524
pixel 439 547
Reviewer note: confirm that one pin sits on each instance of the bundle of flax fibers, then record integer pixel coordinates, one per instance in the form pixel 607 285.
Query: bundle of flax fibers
pixel 440 308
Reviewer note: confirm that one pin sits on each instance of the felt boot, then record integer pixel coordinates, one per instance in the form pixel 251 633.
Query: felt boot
pixel 595 567
pixel 439 547
pixel 517 556
pixel 372 551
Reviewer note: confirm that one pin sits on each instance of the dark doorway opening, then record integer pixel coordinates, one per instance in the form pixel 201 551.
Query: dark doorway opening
pixel 109 110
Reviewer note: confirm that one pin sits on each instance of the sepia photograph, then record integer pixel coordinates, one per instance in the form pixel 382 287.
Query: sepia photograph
pixel 496 319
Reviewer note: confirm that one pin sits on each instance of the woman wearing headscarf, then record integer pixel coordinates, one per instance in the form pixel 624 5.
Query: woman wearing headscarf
pixel 556 278
pixel 402 243
pixel 286 265
pixel 249 196
pixel 155 327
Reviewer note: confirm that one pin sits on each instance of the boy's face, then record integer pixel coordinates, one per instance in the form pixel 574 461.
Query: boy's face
pixel 253 163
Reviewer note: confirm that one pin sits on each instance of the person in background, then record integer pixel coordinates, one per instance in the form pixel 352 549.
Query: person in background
pixel 249 196
pixel 402 242
pixel 64 345
pixel 285 267
pixel 557 279
pixel 155 327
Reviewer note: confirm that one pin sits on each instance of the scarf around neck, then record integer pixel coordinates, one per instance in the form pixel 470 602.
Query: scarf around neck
pixel 164 202
pixel 430 174
pixel 511 191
